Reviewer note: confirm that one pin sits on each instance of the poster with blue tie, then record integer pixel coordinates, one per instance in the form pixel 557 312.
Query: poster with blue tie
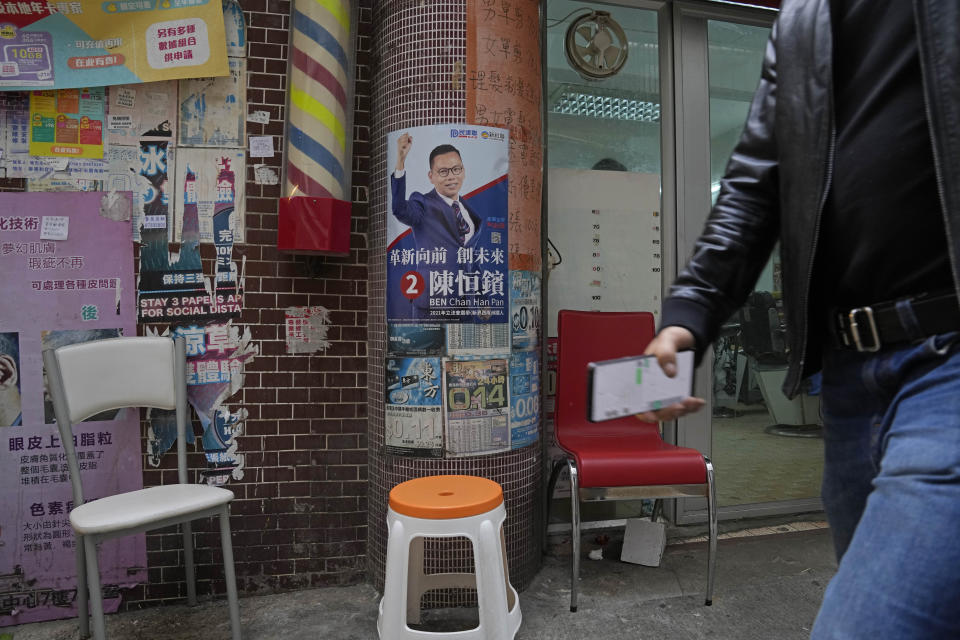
pixel 447 225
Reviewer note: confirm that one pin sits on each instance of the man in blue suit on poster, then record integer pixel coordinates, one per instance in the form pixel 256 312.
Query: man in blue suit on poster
pixel 457 257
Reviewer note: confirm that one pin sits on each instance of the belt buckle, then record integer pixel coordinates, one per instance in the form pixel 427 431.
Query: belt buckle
pixel 855 329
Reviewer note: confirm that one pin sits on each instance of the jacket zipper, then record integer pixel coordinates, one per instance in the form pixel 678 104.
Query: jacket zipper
pixel 937 171
pixel 827 182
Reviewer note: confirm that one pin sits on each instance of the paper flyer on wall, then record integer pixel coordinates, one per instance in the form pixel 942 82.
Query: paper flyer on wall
pixel 68 123
pixel 478 339
pixel 213 181
pixel 416 339
pixel 413 418
pixel 73 289
pixel 477 407
pixel 525 309
pixel 524 398
pixel 213 110
pixel 145 170
pixel 92 43
pixel 141 112
pixel 447 225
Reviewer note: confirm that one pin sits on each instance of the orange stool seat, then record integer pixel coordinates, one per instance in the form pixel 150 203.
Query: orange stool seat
pixel 445 497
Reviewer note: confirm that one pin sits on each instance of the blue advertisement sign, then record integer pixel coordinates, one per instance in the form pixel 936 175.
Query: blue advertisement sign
pixel 447 225
pixel 416 339
pixel 524 398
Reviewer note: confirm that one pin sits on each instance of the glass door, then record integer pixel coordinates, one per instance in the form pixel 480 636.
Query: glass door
pixel 606 127
pixel 766 449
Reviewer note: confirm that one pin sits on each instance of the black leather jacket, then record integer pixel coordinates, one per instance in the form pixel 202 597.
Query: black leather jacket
pixel 780 171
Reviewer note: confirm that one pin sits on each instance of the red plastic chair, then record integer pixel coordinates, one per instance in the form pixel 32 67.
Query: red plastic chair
pixel 622 459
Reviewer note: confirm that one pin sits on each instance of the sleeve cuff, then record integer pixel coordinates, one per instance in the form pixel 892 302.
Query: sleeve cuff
pixel 683 312
pixel 399 174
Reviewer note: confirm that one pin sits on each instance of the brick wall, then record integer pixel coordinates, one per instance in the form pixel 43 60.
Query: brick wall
pixel 299 518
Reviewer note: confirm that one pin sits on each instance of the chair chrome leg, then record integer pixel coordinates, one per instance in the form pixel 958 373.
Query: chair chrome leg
pixel 83 610
pixel 191 574
pixel 229 575
pixel 712 514
pixel 574 531
pixel 551 487
pixel 93 584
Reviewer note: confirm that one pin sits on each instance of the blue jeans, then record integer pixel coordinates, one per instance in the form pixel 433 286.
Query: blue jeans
pixel 891 490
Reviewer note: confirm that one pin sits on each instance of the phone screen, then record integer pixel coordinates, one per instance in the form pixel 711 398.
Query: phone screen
pixel 627 386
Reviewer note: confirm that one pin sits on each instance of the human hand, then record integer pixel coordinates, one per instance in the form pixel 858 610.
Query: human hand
pixel 665 346
pixel 403 148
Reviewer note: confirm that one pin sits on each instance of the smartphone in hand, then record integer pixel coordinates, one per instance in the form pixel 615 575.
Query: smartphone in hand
pixel 627 386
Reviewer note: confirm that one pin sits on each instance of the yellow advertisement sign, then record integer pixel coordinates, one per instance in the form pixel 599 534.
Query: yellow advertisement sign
pixel 87 43
pixel 67 123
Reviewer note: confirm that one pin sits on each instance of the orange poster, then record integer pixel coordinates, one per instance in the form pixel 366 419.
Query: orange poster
pixel 504 90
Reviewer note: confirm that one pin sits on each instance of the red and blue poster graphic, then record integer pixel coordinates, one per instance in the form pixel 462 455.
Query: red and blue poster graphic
pixel 447 225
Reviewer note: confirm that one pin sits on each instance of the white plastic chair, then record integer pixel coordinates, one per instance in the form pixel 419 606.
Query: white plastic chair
pixel 87 378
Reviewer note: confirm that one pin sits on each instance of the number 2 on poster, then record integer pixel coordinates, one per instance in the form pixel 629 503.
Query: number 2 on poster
pixel 412 285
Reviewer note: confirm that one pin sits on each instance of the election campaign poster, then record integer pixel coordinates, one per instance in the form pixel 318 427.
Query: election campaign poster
pixel 477 407
pixel 447 239
pixel 413 414
pixel 68 278
pixel 92 43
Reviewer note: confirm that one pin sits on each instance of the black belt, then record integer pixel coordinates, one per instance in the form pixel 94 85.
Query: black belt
pixel 870 328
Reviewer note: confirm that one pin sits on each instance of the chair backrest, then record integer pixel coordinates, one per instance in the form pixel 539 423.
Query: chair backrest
pixel 589 336
pixel 90 377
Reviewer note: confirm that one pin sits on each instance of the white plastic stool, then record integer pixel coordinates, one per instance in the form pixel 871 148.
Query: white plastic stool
pixel 447 507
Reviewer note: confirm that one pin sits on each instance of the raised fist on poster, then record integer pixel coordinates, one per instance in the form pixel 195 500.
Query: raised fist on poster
pixel 403 148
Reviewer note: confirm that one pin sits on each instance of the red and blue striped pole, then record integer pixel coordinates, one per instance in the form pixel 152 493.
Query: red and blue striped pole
pixel 315 214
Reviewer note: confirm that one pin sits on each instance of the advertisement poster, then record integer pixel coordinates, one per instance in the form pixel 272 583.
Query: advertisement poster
pixel 144 170
pixel 413 414
pixel 415 339
pixel 477 407
pixel 61 291
pixel 524 398
pixel 447 225
pixel 212 112
pixel 525 309
pixel 67 122
pixel 211 181
pixel 92 43
pixel 138 112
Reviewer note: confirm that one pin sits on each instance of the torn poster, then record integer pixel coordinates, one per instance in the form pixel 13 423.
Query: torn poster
pixel 216 355
pixel 213 110
pixel 140 112
pixel 220 446
pixel 306 329
pixel 413 418
pixel 59 292
pixel 67 122
pixel 173 288
pixel 212 181
pixel 145 170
